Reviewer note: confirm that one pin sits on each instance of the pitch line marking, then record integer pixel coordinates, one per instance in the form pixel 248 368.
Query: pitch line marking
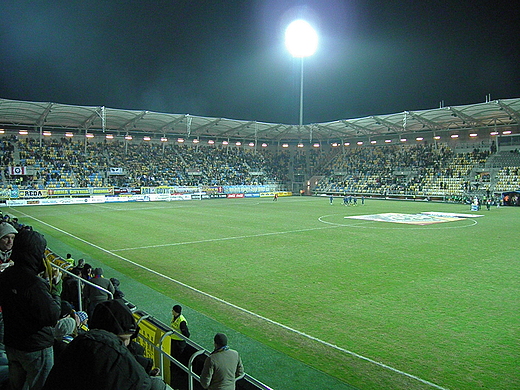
pixel 224 238
pixel 303 334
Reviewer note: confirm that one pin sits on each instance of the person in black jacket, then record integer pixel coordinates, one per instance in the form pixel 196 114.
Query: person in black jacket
pixel 30 312
pixel 100 358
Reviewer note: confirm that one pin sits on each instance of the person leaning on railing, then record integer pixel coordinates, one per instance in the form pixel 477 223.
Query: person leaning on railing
pixel 100 359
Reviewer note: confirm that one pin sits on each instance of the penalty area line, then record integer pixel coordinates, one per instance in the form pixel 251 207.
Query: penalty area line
pixel 258 316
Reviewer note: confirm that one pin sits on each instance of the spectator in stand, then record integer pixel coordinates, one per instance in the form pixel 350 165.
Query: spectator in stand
pixel 118 294
pixel 100 359
pixel 81 321
pixel 7 234
pixel 69 259
pixel 94 295
pixel 180 325
pixel 79 266
pixel 86 272
pixel 222 367
pixel 30 311
pixel 64 333
pixel 71 289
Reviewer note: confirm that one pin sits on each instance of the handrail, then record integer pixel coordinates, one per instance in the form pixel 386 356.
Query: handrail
pixel 190 366
pixel 81 280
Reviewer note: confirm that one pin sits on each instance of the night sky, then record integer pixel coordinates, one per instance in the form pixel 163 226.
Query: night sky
pixel 228 58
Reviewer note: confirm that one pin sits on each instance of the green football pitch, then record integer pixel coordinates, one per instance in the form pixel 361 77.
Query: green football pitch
pixel 377 304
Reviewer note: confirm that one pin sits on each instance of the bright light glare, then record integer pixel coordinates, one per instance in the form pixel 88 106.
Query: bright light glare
pixel 301 39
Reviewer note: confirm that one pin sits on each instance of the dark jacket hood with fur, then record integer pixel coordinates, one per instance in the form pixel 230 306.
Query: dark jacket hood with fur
pixel 28 250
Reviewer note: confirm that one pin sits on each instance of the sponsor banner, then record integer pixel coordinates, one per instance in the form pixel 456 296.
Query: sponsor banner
pixel 252 195
pixel 248 188
pixel 452 215
pixel 213 196
pixel 152 338
pixel 168 189
pixel 127 191
pixel 167 197
pixel 15 202
pixel 212 189
pixel 53 201
pixel 411 219
pixel 271 194
pixel 8 193
pixel 193 172
pixel 235 196
pixel 80 191
pixel 17 171
pixel 33 194
pixel 115 171
pixel 160 197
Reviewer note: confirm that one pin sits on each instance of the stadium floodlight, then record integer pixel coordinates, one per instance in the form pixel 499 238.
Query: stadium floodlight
pixel 302 41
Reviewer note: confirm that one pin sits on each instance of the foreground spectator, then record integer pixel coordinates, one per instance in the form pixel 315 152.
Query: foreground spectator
pixel 221 367
pixel 100 359
pixel 7 234
pixel 30 313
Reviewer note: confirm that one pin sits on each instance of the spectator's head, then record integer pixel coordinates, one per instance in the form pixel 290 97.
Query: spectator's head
pixel 220 340
pixel 66 310
pixel 81 263
pixel 64 327
pixel 115 282
pixel 86 270
pixel 81 317
pixel 176 310
pixel 29 249
pixel 98 272
pixel 114 317
pixel 7 232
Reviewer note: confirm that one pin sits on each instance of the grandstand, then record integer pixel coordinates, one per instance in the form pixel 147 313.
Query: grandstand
pixel 59 156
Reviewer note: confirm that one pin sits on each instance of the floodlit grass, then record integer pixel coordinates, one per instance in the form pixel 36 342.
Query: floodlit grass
pixel 437 302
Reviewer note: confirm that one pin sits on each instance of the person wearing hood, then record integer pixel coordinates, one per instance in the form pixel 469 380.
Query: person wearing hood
pixel 30 313
pixel 7 235
pixel 100 359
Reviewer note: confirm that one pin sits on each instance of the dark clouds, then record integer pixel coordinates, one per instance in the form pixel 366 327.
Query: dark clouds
pixel 228 59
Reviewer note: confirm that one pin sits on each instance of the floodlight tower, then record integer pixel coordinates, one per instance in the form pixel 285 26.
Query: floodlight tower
pixel 302 41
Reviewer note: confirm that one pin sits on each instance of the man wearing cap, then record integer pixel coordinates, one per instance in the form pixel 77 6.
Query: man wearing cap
pixel 100 359
pixel 179 325
pixel 30 313
pixel 7 232
pixel 222 367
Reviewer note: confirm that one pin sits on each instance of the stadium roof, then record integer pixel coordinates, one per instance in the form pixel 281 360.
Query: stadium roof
pixel 495 114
